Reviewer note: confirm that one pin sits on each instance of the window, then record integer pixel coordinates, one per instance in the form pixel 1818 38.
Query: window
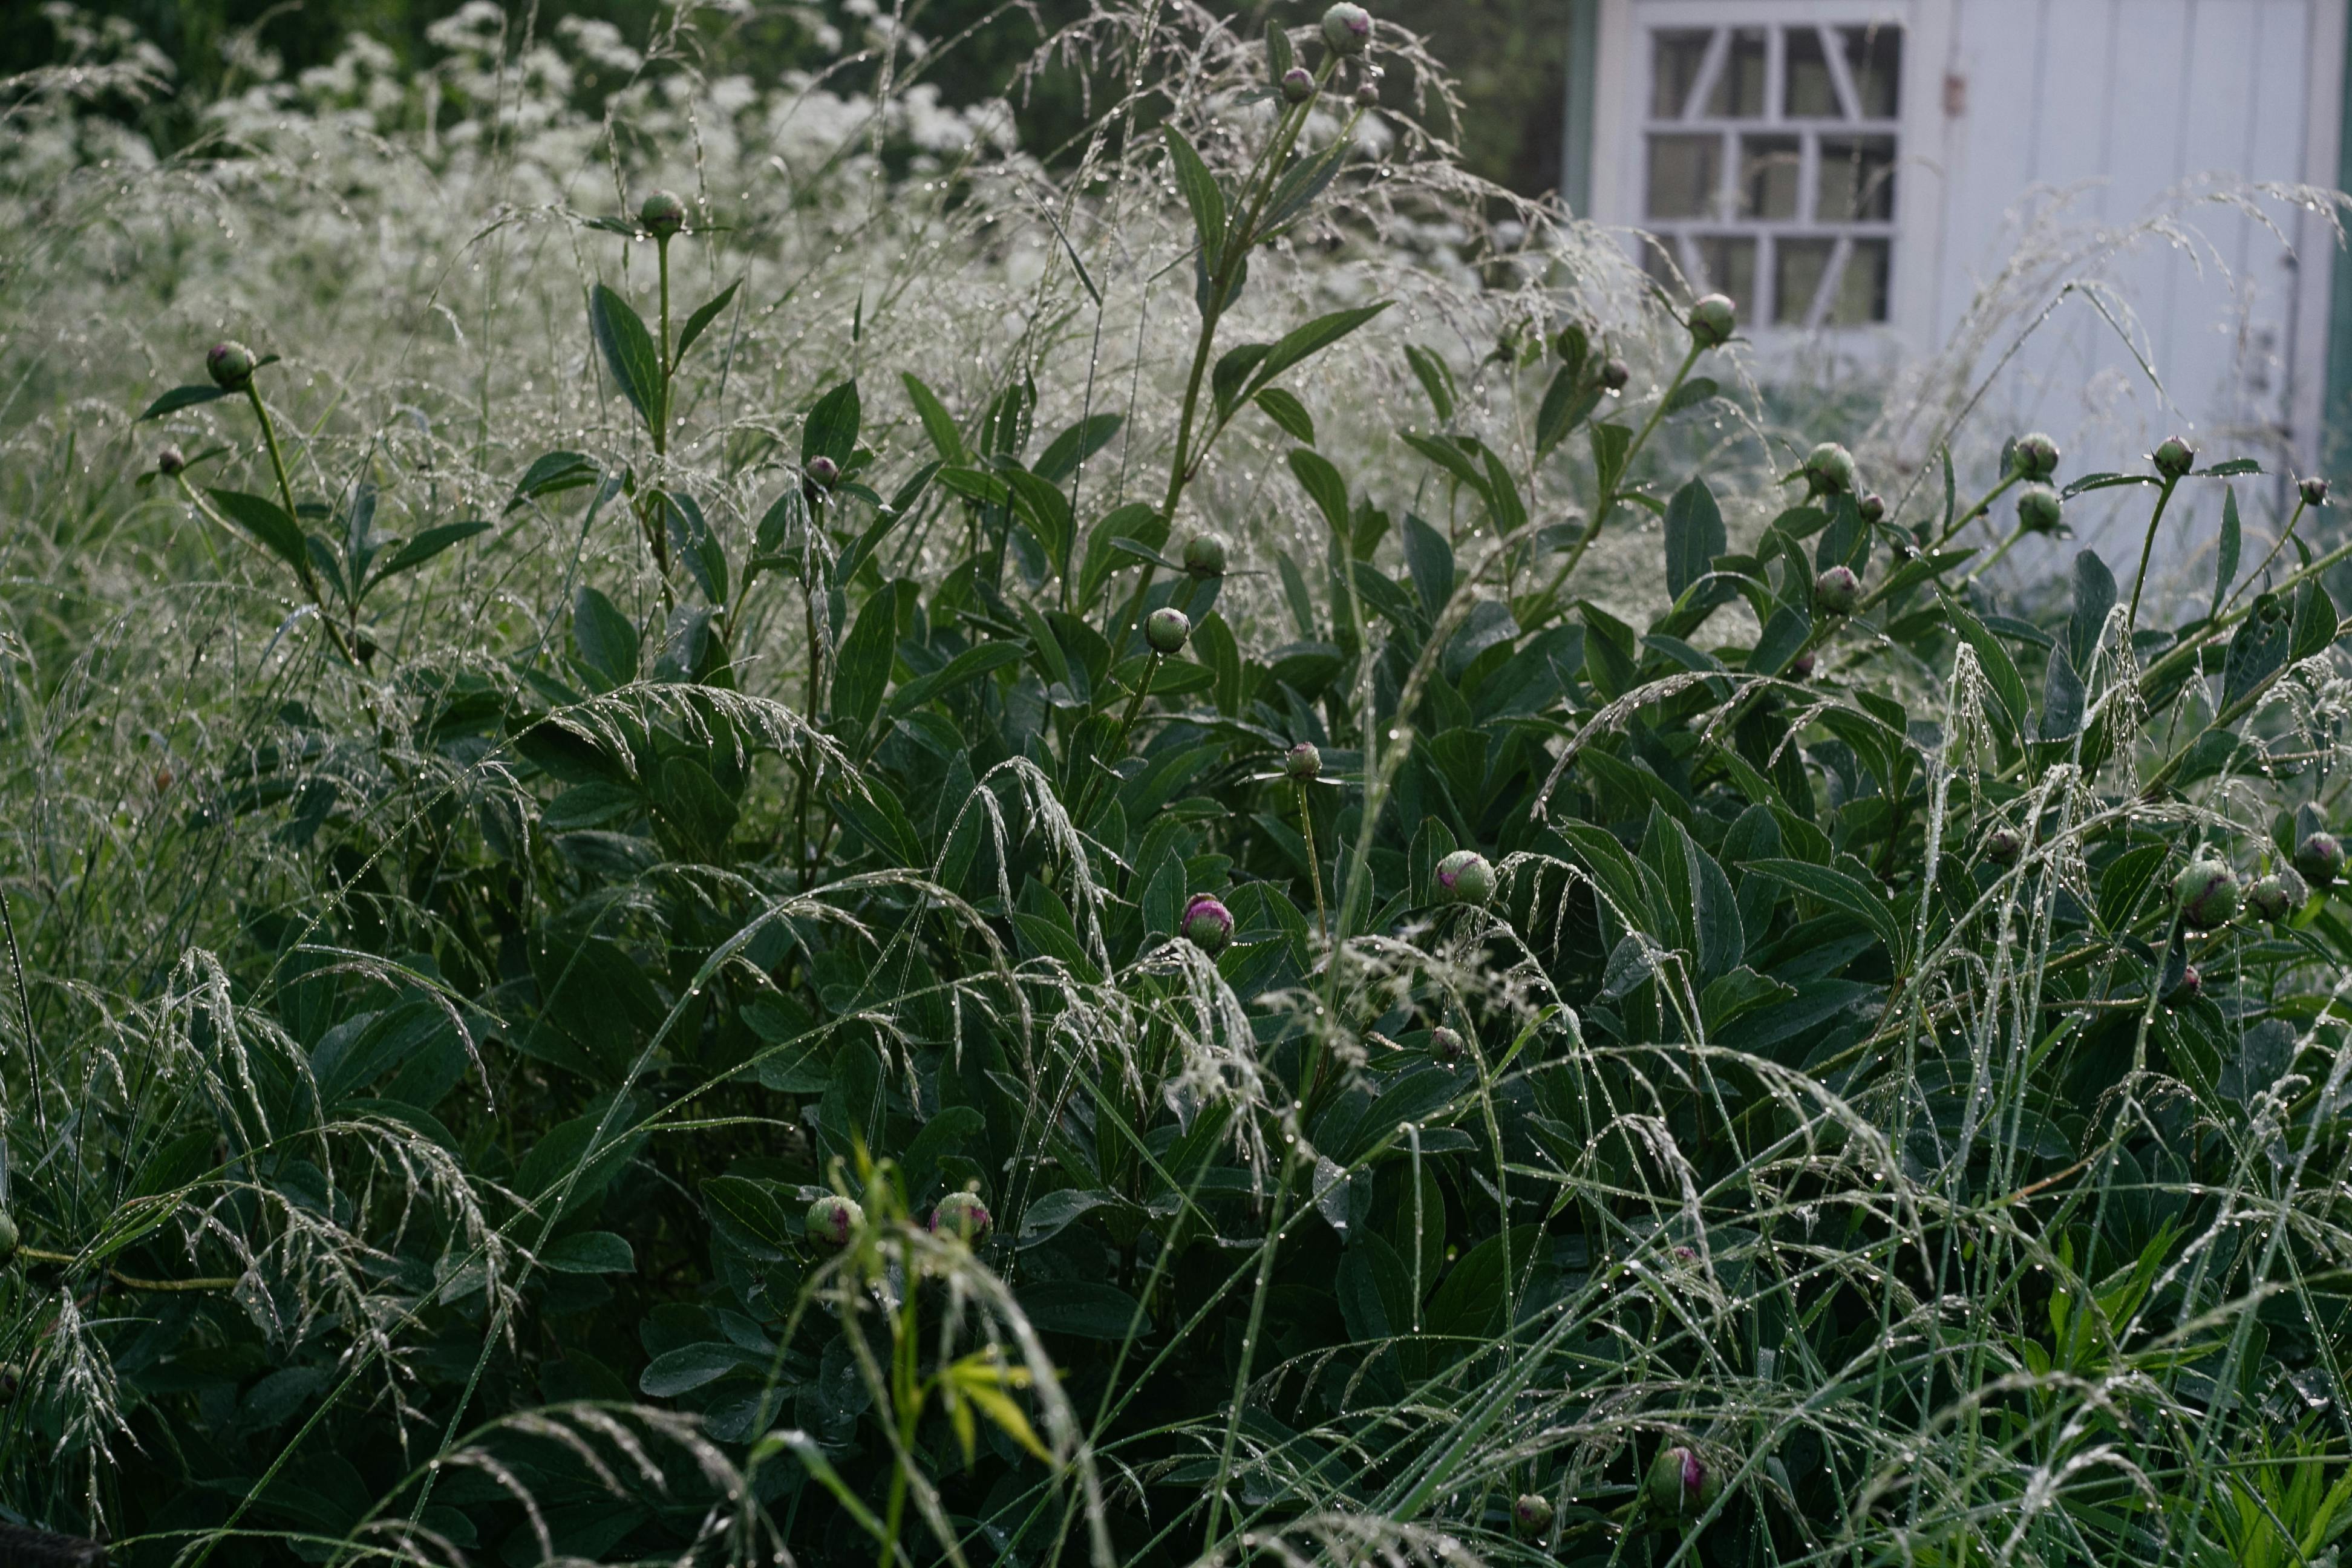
pixel 1770 158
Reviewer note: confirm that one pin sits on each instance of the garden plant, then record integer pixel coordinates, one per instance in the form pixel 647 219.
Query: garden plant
pixel 707 904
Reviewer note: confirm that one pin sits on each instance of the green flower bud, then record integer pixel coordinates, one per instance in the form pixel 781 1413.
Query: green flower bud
pixel 1872 508
pixel 1208 924
pixel 2314 491
pixel 1829 469
pixel 823 472
pixel 1368 95
pixel 1166 628
pixel 963 1214
pixel 2174 457
pixel 1837 591
pixel 1464 877
pixel 2039 510
pixel 1298 85
pixel 1681 1484
pixel 2320 858
pixel 1348 28
pixel 1802 668
pixel 2034 457
pixel 1446 1045
pixel 1303 763
pixel 170 461
pixel 1531 1517
pixel 1615 373
pixel 662 215
pixel 2192 984
pixel 1713 320
pixel 2207 891
pixel 230 364
pixel 832 1220
pixel 2275 897
pixel 1204 555
pixel 2003 846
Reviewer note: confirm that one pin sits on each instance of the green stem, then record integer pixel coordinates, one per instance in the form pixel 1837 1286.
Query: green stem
pixel 277 461
pixel 2146 549
pixel 1998 550
pixel 1118 742
pixel 2286 534
pixel 1606 503
pixel 302 571
pixel 661 421
pixel 1249 1349
pixel 1314 864
pixel 1982 507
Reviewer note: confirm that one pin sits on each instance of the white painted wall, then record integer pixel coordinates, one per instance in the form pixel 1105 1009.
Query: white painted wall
pixel 2101 106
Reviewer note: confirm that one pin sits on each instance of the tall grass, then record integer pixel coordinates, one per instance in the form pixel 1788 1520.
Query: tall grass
pixel 951 924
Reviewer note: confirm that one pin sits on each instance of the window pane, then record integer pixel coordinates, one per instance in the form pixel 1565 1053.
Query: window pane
pixel 1729 263
pixel 1739 91
pixel 1767 176
pixel 1874 57
pixel 1857 180
pixel 1810 94
pixel 1861 297
pixel 1797 268
pixel 1673 69
pixel 1685 175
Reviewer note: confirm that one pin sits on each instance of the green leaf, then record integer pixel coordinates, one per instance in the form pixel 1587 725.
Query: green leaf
pixel 1200 193
pixel 2225 554
pixel 749 1212
pixel 697 545
pixel 552 473
pixel 1993 659
pixel 1610 444
pixel 863 672
pixel 607 639
pixel 1083 1309
pixel 1134 521
pixel 429 545
pixel 1430 559
pixel 960 671
pixel 588 1252
pixel 1695 536
pixel 2230 470
pixel 1324 487
pixel 1567 402
pixel 1742 990
pixel 629 353
pixel 832 427
pixel 181 397
pixel 1783 636
pixel 1048 511
pixel 266 521
pixel 1279 56
pixel 1075 446
pixel 1231 372
pixel 2062 698
pixel 2262 645
pixel 696 815
pixel 1696 390
pixel 1287 413
pixel 1051 1215
pixel 1436 379
pixel 688 1367
pixel 1301 342
pixel 938 423
pixel 700 319
pixel 2315 623
pixel 1828 884
pixel 2095 599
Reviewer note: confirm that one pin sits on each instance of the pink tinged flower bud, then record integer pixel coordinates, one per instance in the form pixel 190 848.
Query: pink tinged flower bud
pixel 832 1220
pixel 1368 95
pixel 823 471
pixel 1348 28
pixel 1298 85
pixel 662 215
pixel 1531 1517
pixel 2040 510
pixel 2174 457
pixel 1204 555
pixel 230 365
pixel 2314 491
pixel 2208 894
pixel 1829 469
pixel 2034 457
pixel 1615 375
pixel 1446 1045
pixel 1677 1482
pixel 1837 591
pixel 1464 877
pixel 1874 508
pixel 2192 984
pixel 2320 858
pixel 1802 669
pixel 1166 628
pixel 1208 924
pixel 2003 846
pixel 1303 763
pixel 170 461
pixel 963 1214
pixel 2275 897
pixel 1713 320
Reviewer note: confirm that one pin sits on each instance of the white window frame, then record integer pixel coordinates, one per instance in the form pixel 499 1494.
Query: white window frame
pixel 1623 124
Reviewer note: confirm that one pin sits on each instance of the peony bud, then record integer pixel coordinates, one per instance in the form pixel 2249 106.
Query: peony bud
pixel 2276 896
pixel 2034 457
pixel 1872 508
pixel 2320 858
pixel 663 214
pixel 1303 764
pixel 1680 1483
pixel 1837 591
pixel 1446 1045
pixel 1829 469
pixel 1713 320
pixel 823 471
pixel 963 1214
pixel 2039 510
pixel 230 364
pixel 1298 85
pixel 1368 95
pixel 832 1220
pixel 1166 628
pixel 1531 1517
pixel 1465 878
pixel 1802 668
pixel 2174 457
pixel 170 461
pixel 1204 555
pixel 1348 28
pixel 1207 923
pixel 7 1235
pixel 1615 373
pixel 2003 846
pixel 2208 894
pixel 2191 983
pixel 2314 491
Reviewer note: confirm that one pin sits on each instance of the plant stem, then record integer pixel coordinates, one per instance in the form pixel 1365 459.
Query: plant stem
pixel 132 1281
pixel 661 421
pixel 1314 864
pixel 276 462
pixel 1606 503
pixel 2285 534
pixel 1118 742
pixel 1249 1347
pixel 301 571
pixel 2147 548
pixel 1978 510
pixel 1998 550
